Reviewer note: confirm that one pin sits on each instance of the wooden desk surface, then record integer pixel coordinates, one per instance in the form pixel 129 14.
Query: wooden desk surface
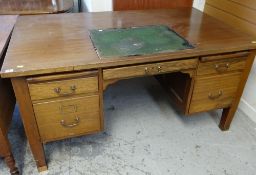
pixel 7 98
pixel 7 22
pixel 58 43
pixel 6 25
pixel 26 7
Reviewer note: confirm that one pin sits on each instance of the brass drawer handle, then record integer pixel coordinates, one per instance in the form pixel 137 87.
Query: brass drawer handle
pixel 159 69
pixel 222 67
pixel 76 122
pixel 146 70
pixel 72 90
pixel 153 69
pixel 213 97
pixel 149 70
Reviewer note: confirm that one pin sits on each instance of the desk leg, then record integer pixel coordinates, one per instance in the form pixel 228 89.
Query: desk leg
pixel 10 162
pixel 6 153
pixel 7 104
pixel 27 114
pixel 228 113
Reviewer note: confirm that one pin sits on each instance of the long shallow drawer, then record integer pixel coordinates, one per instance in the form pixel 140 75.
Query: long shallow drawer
pixel 214 92
pixel 149 69
pixel 67 118
pixel 221 65
pixel 63 87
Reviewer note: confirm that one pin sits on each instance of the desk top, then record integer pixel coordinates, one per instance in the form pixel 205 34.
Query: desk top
pixel 26 7
pixel 7 22
pixel 58 43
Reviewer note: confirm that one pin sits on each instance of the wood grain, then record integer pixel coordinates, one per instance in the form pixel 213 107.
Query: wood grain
pixel 235 9
pixel 247 3
pixel 7 23
pixel 149 69
pixel 228 113
pixel 239 14
pixel 31 7
pixel 7 98
pixel 48 89
pixel 27 114
pixel 221 66
pixel 49 115
pixel 6 152
pixel 101 104
pixel 224 56
pixel 119 5
pixel 207 86
pixel 45 44
pixel 179 87
pixel 7 104
pixel 54 77
pixel 9 160
pixel 44 38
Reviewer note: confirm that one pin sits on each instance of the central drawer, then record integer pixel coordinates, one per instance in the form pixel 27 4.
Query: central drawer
pixel 149 69
pixel 67 118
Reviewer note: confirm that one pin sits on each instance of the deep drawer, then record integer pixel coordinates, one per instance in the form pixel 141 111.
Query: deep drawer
pixel 67 118
pixel 214 92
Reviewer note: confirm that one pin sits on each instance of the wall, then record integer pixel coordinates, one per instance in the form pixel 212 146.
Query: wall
pixel 242 15
pixel 199 4
pixel 97 5
pixel 106 5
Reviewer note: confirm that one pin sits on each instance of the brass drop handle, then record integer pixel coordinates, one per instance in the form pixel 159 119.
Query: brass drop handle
pixel 149 70
pixel 159 69
pixel 213 97
pixel 146 70
pixel 222 67
pixel 58 90
pixel 76 122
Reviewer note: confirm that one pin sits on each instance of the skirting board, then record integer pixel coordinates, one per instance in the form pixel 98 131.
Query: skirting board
pixel 248 109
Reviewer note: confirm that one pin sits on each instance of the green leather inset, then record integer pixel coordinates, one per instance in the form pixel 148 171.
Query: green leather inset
pixel 145 40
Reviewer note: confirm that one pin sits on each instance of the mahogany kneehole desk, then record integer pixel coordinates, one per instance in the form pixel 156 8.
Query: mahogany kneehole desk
pixel 59 80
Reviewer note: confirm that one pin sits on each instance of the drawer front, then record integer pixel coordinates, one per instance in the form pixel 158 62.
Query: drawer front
pixel 214 92
pixel 67 118
pixel 59 88
pixel 221 66
pixel 149 69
